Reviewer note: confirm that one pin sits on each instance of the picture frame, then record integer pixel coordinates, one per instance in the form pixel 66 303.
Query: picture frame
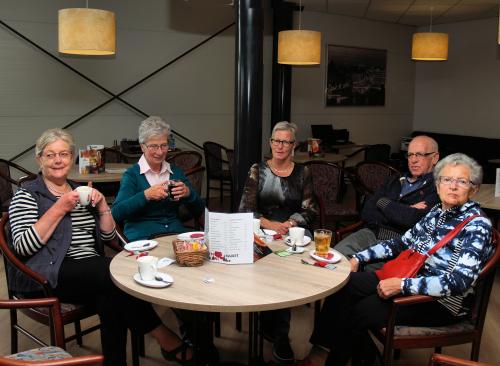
pixel 355 76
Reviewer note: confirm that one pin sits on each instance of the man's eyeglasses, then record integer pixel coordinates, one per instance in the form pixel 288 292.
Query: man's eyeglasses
pixel 461 182
pixel 282 142
pixel 419 155
pixel 155 147
pixel 64 155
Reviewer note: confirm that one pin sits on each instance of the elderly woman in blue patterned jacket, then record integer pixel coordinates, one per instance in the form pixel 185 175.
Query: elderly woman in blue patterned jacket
pixel 449 274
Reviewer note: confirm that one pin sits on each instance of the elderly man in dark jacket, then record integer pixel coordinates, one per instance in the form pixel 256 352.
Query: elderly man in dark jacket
pixel 400 203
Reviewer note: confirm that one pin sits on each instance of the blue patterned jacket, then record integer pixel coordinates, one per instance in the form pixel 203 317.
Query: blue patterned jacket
pixel 452 271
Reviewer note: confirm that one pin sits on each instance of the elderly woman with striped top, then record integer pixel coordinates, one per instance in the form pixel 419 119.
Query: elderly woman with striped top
pixel 449 274
pixel 62 240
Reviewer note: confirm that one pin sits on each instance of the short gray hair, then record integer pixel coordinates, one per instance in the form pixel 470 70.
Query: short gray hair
pixel 285 126
pixel 476 171
pixel 153 126
pixel 53 135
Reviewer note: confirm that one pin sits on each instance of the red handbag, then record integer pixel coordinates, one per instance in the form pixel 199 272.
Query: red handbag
pixel 408 262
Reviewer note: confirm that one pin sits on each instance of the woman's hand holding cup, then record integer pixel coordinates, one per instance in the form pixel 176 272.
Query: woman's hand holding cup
pixel 157 192
pixel 177 190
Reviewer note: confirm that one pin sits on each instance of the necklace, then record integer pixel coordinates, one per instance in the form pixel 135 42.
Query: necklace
pixel 57 191
pixel 271 165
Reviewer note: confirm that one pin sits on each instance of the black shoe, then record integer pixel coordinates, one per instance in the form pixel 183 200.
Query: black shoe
pixel 282 351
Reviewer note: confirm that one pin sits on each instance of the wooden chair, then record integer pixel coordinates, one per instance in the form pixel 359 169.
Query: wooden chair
pixel 54 355
pixel 444 360
pixel 468 330
pixel 70 313
pixel 185 160
pixel 217 169
pixel 368 176
pixel 327 185
pixel 6 181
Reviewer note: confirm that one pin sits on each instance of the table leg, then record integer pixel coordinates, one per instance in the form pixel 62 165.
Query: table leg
pixel 255 340
pixel 203 340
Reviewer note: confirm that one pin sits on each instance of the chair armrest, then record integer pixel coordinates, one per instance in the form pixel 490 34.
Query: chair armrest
pixel 340 233
pixel 445 360
pixel 412 299
pixel 55 311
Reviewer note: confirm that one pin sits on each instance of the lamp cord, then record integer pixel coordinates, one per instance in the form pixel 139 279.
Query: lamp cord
pixel 300 14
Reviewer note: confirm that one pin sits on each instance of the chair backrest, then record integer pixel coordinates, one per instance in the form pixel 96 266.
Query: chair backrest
pixel 372 174
pixel 327 183
pixel 6 181
pixel 195 176
pixel 185 160
pixel 213 158
pixel 230 159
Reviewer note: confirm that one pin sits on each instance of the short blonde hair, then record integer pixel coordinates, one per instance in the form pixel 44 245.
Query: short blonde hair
pixel 53 135
pixel 153 126
pixel 285 126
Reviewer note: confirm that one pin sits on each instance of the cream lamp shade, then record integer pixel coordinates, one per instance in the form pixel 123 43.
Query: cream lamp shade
pixel 299 47
pixel 84 31
pixel 429 46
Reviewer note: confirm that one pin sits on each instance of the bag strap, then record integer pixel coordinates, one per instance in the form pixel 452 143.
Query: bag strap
pixel 450 235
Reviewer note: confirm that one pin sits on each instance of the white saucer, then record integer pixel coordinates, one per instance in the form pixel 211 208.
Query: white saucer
pixel 297 250
pixel 305 241
pixel 140 245
pixel 269 232
pixel 188 236
pixel 336 256
pixel 155 283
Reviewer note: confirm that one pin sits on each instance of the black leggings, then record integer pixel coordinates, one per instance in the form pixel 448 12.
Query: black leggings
pixel 88 281
pixel 347 315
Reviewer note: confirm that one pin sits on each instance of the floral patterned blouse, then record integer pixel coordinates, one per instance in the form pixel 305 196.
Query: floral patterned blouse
pixel 280 198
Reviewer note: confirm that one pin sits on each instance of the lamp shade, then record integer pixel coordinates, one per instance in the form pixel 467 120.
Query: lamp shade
pixel 299 47
pixel 429 46
pixel 84 31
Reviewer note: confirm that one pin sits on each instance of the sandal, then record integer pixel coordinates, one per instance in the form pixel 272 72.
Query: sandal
pixel 172 355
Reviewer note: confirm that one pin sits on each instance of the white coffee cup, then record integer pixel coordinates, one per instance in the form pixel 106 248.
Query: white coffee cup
pixel 256 226
pixel 296 234
pixel 84 194
pixel 148 267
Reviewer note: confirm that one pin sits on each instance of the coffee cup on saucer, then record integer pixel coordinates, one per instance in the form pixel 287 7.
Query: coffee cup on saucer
pixel 148 267
pixel 296 235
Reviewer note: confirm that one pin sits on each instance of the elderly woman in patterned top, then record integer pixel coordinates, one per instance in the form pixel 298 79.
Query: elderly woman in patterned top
pixel 449 274
pixel 61 239
pixel 279 192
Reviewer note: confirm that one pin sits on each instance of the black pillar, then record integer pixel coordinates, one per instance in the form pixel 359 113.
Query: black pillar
pixel 281 74
pixel 248 91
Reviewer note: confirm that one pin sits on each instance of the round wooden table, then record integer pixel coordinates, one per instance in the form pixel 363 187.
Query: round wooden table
pixel 273 282
pixel 302 157
pixel 488 201
pixel 112 175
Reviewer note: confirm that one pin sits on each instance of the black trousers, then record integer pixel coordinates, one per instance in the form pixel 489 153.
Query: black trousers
pixel 347 315
pixel 88 281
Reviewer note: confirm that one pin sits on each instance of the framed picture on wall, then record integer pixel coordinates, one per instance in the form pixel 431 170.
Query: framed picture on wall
pixel 355 76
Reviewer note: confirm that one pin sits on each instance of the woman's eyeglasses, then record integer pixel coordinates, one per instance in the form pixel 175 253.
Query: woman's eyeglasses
pixel 282 142
pixel 419 155
pixel 461 182
pixel 65 155
pixel 154 147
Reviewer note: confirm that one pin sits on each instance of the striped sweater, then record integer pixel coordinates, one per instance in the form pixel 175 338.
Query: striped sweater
pixel 452 271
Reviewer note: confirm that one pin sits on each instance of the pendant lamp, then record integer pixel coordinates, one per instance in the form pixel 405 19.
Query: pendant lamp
pixel 299 47
pixel 429 46
pixel 84 31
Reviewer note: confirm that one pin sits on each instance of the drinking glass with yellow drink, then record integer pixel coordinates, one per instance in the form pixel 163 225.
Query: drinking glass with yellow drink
pixel 322 239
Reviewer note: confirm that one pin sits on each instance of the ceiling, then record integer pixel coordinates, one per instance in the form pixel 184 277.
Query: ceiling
pixel 408 12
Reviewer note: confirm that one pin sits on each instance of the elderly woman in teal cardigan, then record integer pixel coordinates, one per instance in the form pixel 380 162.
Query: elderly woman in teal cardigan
pixel 144 204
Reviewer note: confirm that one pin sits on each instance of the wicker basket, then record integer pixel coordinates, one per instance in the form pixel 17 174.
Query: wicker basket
pixel 188 258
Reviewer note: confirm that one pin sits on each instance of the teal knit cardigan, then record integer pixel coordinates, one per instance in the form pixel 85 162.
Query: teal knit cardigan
pixel 141 218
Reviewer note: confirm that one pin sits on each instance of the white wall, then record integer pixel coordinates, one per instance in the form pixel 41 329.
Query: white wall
pixel 460 96
pixel 195 95
pixel 384 124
